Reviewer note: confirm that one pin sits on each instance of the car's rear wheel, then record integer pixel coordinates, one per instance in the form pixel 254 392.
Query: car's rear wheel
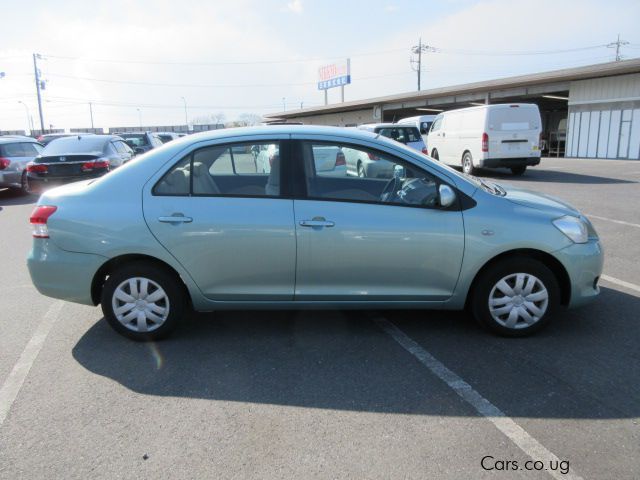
pixel 467 164
pixel 515 297
pixel 518 170
pixel 434 154
pixel 142 301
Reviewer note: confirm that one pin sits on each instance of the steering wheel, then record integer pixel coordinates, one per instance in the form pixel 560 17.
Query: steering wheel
pixel 390 192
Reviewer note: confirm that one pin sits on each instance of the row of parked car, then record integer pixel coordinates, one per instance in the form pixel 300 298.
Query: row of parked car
pixel 30 165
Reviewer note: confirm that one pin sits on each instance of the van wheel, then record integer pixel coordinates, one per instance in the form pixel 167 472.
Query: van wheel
pixel 515 297
pixel 467 164
pixel 361 172
pixel 518 170
pixel 434 154
pixel 142 301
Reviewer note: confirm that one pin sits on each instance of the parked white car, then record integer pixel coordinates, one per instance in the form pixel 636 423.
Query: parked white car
pixel 422 122
pixel 409 135
pixel 488 136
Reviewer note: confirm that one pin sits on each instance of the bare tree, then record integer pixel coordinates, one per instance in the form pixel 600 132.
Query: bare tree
pixel 249 119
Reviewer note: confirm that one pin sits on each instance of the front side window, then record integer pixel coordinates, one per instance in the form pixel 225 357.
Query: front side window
pixel 366 176
pixel 225 170
pixel 437 124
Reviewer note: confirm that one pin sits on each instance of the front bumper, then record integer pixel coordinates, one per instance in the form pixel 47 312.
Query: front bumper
pixel 61 274
pixel 583 262
pixel 509 162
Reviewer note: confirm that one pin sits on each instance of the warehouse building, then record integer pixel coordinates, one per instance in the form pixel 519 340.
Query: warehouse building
pixel 588 112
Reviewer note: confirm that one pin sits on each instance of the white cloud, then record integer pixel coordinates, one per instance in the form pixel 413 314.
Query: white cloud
pixel 295 6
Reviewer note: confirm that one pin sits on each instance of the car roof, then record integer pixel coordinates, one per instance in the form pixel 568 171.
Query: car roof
pixel 283 130
pixel 17 138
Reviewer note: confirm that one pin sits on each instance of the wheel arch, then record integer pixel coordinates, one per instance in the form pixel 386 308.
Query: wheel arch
pixel 548 260
pixel 112 264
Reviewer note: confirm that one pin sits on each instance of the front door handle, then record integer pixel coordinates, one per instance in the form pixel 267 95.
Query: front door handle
pixel 175 218
pixel 316 222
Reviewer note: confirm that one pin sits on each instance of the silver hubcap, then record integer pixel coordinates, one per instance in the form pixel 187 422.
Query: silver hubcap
pixel 140 304
pixel 360 171
pixel 518 300
pixel 467 164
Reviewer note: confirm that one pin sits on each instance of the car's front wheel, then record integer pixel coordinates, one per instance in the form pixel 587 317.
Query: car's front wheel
pixel 142 301
pixel 515 297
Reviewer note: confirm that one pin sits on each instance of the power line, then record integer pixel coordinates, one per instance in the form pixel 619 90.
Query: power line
pixel 617 44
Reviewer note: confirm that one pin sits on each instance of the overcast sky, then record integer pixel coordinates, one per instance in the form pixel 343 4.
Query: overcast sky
pixel 246 56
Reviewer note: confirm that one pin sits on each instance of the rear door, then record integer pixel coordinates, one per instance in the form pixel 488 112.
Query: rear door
pixel 514 131
pixel 356 244
pixel 229 226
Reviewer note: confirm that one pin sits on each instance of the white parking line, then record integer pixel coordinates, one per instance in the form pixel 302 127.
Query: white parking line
pixel 622 283
pixel 621 222
pixel 12 385
pixel 484 407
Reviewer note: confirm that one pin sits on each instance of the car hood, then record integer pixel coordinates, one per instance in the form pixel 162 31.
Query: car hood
pixel 539 201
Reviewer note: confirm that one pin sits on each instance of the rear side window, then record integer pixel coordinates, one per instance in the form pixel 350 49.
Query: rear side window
pixel 513 118
pixel 243 170
pixel 20 149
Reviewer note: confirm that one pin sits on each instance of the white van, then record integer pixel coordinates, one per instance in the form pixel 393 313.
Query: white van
pixel 488 136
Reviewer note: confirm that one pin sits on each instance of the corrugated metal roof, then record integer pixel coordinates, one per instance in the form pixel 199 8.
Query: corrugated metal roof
pixel 568 74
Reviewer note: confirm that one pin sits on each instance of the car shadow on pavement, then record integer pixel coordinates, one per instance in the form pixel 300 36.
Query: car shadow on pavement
pixel 552 176
pixel 583 366
pixel 9 197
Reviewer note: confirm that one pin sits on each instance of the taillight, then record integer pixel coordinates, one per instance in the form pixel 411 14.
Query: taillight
pixel 37 168
pixel 89 166
pixel 39 218
pixel 4 163
pixel 340 160
pixel 485 142
pixel 40 138
pixel 425 151
pixel 372 156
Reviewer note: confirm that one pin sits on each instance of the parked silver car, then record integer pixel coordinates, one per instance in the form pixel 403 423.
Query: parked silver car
pixel 15 153
pixel 183 226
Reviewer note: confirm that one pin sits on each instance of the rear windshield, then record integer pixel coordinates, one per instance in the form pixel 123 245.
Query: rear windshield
pixel 135 139
pixel 20 149
pixel 513 118
pixel 74 145
pixel 401 134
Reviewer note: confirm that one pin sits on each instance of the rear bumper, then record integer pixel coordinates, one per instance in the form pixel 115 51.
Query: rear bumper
pixel 40 184
pixel 10 179
pixel 509 162
pixel 583 262
pixel 61 274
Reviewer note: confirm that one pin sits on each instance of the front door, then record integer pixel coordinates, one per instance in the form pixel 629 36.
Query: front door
pixel 227 224
pixel 367 239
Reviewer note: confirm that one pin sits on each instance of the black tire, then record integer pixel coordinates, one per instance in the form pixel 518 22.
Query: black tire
pixel 361 171
pixel 489 279
pixel 434 154
pixel 518 170
pixel 467 164
pixel 169 284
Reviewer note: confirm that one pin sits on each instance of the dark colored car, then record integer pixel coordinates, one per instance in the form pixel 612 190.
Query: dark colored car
pixel 80 157
pixel 49 137
pixel 167 136
pixel 141 142
pixel 15 153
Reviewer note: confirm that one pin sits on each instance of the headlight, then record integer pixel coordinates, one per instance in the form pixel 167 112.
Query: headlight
pixel 572 227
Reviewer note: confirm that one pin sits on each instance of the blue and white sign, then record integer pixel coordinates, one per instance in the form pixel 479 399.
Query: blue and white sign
pixel 335 75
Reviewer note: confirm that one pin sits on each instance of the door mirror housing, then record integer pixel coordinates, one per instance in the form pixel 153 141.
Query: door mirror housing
pixel 447 196
pixel 399 171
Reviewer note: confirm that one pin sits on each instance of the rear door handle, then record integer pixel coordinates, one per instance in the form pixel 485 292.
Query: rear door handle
pixel 175 218
pixel 317 222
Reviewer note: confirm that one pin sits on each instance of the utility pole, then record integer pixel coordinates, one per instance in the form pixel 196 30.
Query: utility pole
pixel 37 74
pixel 617 44
pixel 419 50
pixel 186 118
pixel 91 113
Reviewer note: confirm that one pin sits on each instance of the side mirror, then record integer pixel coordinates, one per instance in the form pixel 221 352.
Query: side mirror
pixel 447 196
pixel 398 171
pixel 138 150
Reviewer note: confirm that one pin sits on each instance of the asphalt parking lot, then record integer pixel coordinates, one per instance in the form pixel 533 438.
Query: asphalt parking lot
pixel 316 394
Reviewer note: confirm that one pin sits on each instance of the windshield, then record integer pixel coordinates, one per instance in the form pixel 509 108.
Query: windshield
pixel 401 134
pixel 135 139
pixel 74 144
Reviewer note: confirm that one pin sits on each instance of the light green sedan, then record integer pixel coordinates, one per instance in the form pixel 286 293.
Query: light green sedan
pixel 194 224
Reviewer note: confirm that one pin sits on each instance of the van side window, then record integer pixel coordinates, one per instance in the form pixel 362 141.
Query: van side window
pixel 437 124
